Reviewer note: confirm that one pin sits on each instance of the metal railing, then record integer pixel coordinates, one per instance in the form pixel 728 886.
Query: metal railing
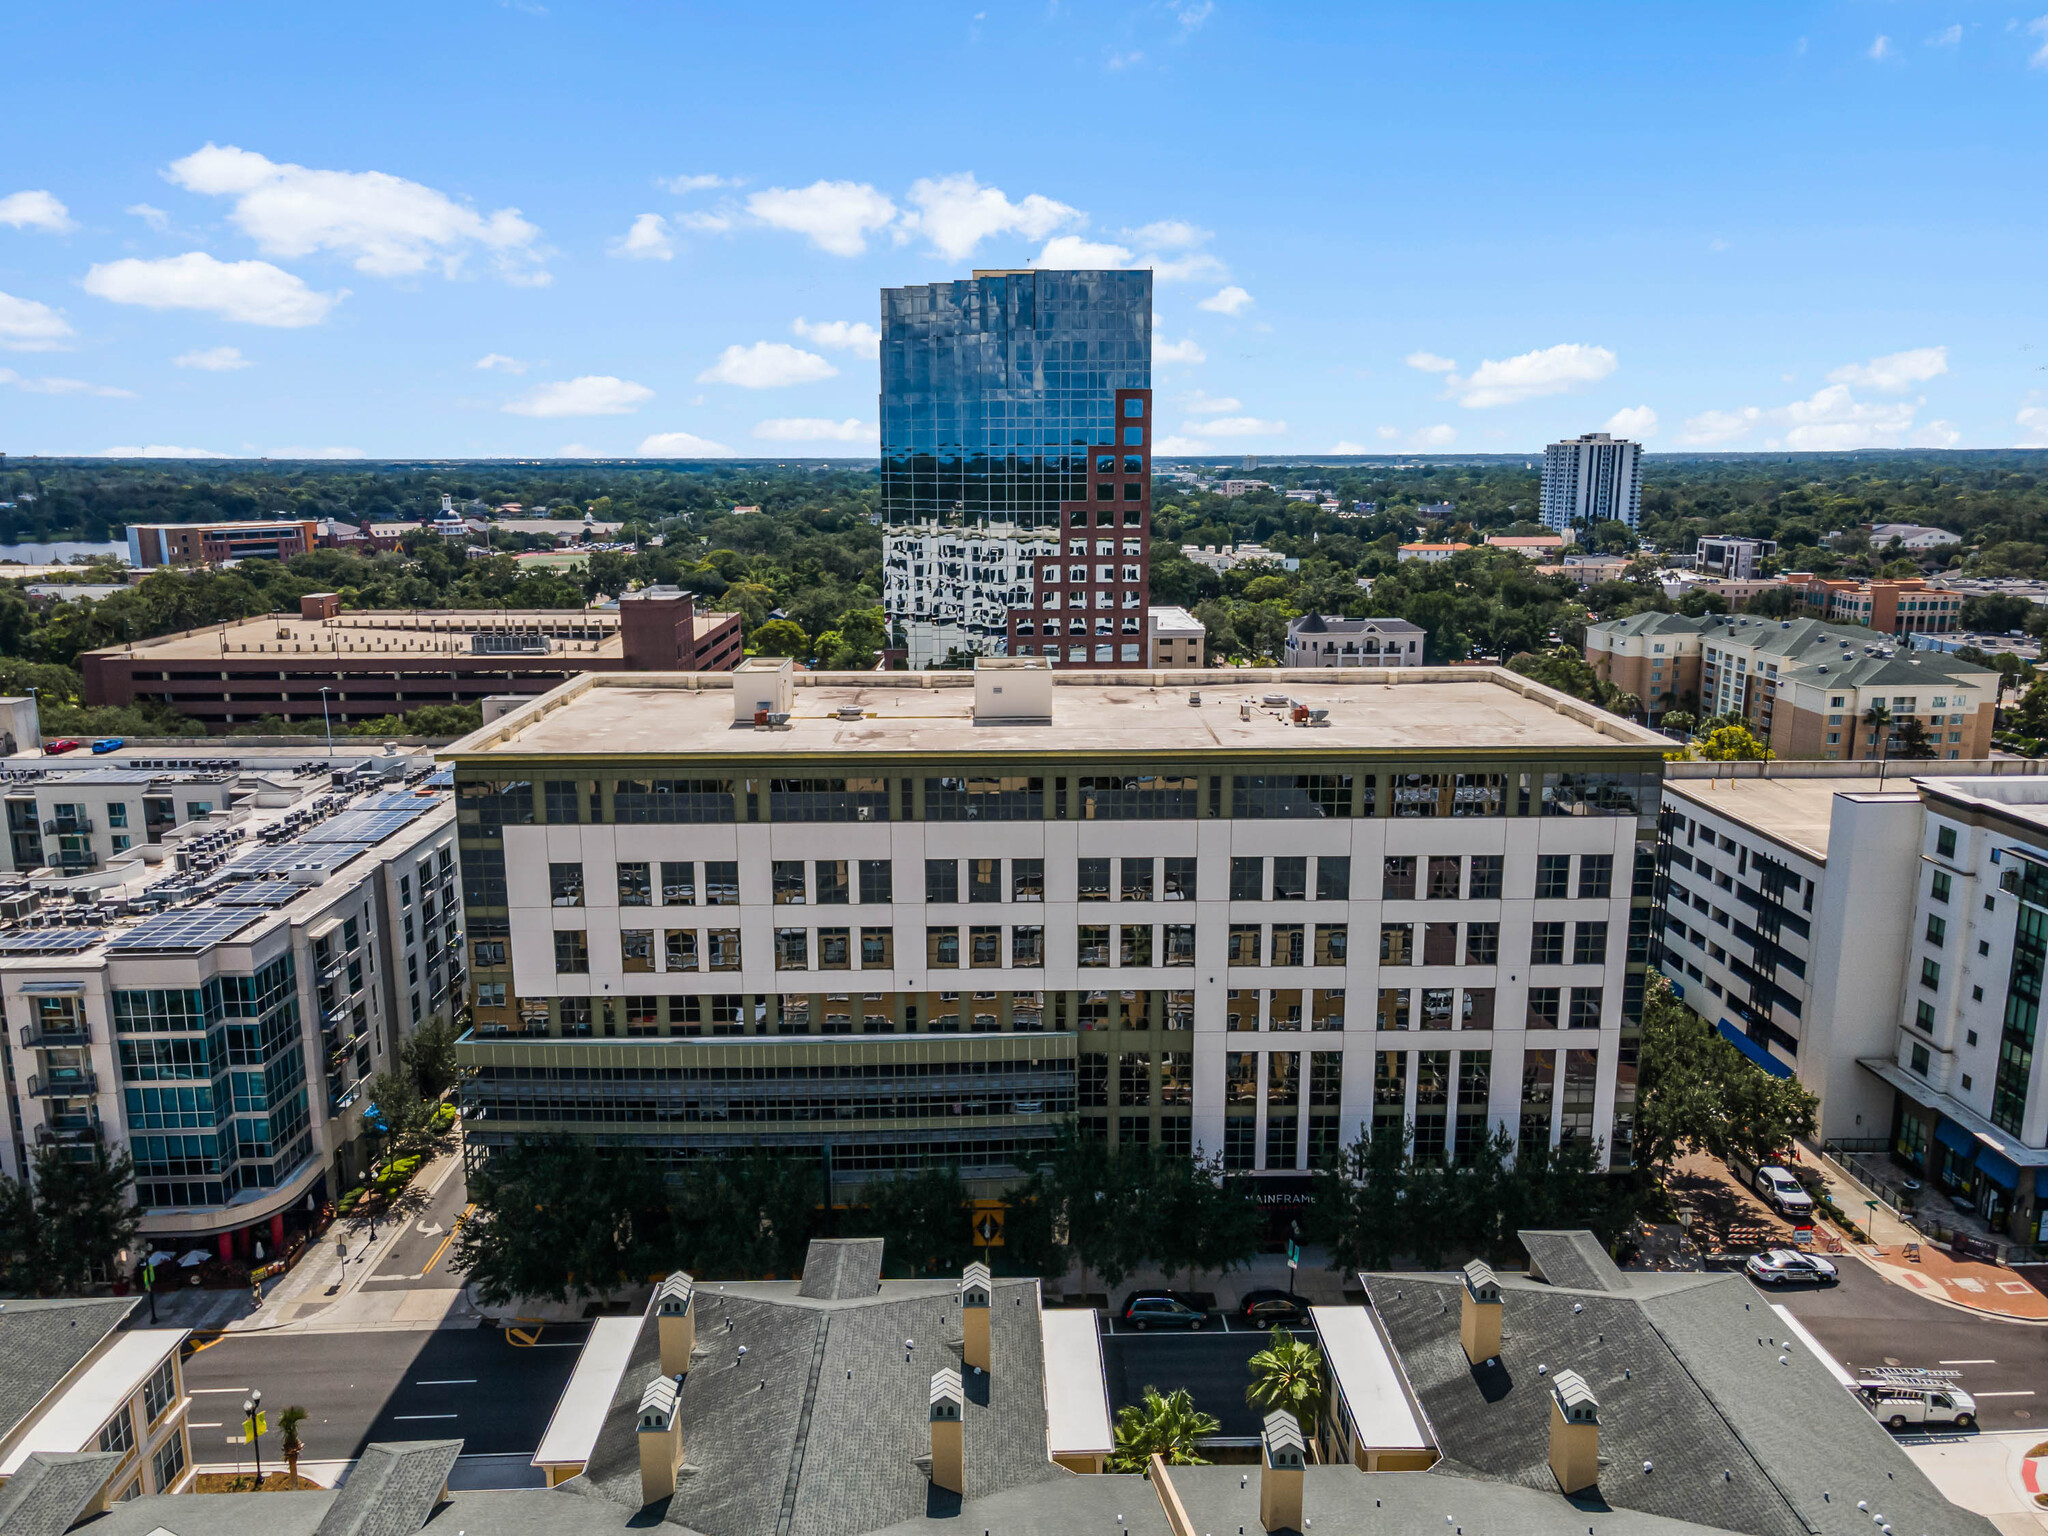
pixel 39 1037
pixel 62 1085
pixel 1920 1203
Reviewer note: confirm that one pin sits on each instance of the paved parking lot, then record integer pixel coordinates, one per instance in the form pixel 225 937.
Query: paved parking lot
pixel 1211 1364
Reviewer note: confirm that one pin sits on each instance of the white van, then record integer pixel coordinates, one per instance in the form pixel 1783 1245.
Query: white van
pixel 1927 1400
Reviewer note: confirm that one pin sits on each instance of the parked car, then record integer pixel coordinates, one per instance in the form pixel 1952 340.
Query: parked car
pixel 1263 1309
pixel 1788 1266
pixel 1902 1402
pixel 61 744
pixel 109 744
pixel 1159 1309
pixel 1784 1192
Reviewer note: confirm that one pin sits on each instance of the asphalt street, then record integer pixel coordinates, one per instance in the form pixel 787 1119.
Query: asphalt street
pixel 474 1384
pixel 418 1260
pixel 1865 1322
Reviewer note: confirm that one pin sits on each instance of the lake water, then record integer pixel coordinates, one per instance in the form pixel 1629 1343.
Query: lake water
pixel 60 554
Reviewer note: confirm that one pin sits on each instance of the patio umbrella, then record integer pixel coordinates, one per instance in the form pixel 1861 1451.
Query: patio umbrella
pixel 160 1257
pixel 196 1256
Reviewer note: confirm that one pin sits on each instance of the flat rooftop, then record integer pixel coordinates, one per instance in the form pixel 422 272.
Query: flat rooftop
pixel 1370 710
pixel 584 632
pixel 1795 812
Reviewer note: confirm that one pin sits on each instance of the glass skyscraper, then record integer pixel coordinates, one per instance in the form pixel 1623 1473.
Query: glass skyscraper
pixel 1019 404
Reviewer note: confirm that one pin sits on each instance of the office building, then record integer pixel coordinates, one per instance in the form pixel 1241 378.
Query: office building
pixel 1016 414
pixel 1129 904
pixel 154 544
pixel 283 946
pixel 1882 940
pixel 1807 689
pixel 327 666
pixel 1331 640
pixel 1653 1404
pixel 1906 606
pixel 94 1413
pixel 1735 558
pixel 1591 479
pixel 1174 638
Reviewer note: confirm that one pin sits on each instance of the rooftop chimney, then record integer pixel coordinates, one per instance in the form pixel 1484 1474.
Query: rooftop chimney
pixel 661 1440
pixel 974 1314
pixel 676 1320
pixel 1574 1432
pixel 949 1450
pixel 1283 1455
pixel 1479 1314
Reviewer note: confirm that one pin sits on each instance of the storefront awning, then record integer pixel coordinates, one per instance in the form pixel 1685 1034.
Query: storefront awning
pixel 1753 1051
pixel 1955 1138
pixel 1997 1169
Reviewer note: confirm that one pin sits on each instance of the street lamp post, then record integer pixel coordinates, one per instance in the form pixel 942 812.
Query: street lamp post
pixel 252 1413
pixel 328 721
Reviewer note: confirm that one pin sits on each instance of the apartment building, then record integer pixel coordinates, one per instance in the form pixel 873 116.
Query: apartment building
pixel 1738 559
pixel 1173 638
pixel 74 821
pixel 1331 640
pixel 1906 606
pixel 1884 942
pixel 1429 554
pixel 1061 897
pixel 1807 688
pixel 326 666
pixel 156 544
pixel 1592 478
pixel 215 1000
pixel 1019 400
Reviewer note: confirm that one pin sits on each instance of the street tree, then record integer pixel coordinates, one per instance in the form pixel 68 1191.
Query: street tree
pixel 1288 1375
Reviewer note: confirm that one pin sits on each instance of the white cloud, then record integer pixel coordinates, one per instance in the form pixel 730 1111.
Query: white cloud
pixel 1237 426
pixel 1346 446
pixel 1226 301
pixel 594 394
pixel 1386 434
pixel 1440 436
pixel 160 451
pixel 957 213
pixel 816 429
pixel 1192 13
pixel 1212 405
pixel 27 326
pixel 834 215
pixel 1169 234
pixel 2039 27
pixel 767 365
pixel 1717 244
pixel 1195 267
pixel 1182 445
pixel 647 240
pixel 1073 253
pixel 253 292
pixel 1832 419
pixel 36 210
pixel 1552 371
pixel 51 386
pixel 384 224
pixel 1947 37
pixel 575 451
pixel 155 218
pixel 2034 420
pixel 683 185
pixel 295 452
pixel 706 223
pixel 500 363
pixel 1185 352
pixel 1896 372
pixel 1429 362
pixel 681 445
pixel 840 335
pixel 212 359
pixel 1882 48
pixel 1119 61
pixel 1711 428
pixel 1635 421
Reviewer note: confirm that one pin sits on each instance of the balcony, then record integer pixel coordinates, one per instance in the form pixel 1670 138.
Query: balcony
pixel 63 1083
pixel 68 1130
pixel 41 1037
pixel 68 827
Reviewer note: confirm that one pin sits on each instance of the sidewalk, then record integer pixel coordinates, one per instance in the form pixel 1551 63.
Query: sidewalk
pixel 1987 1473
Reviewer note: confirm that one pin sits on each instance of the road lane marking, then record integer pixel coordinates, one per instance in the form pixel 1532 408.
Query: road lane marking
pixel 202 1424
pixel 451 1381
pixel 2028 1393
pixel 212 1391
pixel 407 1418
pixel 436 1259
pixel 1967 1362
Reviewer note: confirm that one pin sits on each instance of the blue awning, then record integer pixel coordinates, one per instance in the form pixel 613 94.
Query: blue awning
pixel 1996 1168
pixel 1753 1051
pixel 1956 1139
pixel 2041 1183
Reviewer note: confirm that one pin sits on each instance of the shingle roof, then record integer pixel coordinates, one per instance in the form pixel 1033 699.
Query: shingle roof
pixel 1574 1260
pixel 840 1268
pixel 42 1342
pixel 392 1490
pixel 1337 624
pixel 49 1492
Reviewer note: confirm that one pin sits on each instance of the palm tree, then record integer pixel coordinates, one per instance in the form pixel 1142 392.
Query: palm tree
pixel 1288 1375
pixel 292 1446
pixel 1165 1426
pixel 1879 718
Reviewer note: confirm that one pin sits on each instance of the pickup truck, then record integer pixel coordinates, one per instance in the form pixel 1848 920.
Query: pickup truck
pixel 1899 1403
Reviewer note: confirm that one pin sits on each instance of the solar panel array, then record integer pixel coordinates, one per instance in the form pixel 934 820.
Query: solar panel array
pixel 395 801
pixel 284 857
pixel 49 941
pixel 186 929
pixel 259 893
pixel 362 826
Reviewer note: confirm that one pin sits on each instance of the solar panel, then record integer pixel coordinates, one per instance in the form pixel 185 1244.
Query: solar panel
pixel 49 941
pixel 284 857
pixel 187 928
pixel 362 826
pixel 407 801
pixel 259 893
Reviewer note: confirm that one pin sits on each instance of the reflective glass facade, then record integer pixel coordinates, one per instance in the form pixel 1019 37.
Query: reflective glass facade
pixel 995 388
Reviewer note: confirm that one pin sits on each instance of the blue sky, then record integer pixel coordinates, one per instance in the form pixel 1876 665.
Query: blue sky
pixel 536 227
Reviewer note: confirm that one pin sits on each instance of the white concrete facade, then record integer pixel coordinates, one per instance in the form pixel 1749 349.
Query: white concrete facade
pixel 1591 478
